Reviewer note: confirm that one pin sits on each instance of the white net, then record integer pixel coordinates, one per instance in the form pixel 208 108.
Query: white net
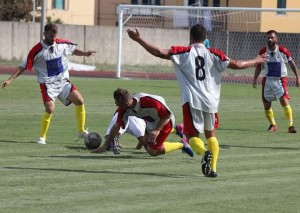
pixel 238 33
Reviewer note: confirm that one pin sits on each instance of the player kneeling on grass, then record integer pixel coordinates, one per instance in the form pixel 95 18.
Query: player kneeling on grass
pixel 198 72
pixel 159 122
pixel 49 59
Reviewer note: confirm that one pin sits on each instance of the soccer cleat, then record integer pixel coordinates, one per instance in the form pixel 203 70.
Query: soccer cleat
pixel 41 141
pixel 82 135
pixel 272 128
pixel 179 130
pixel 292 129
pixel 186 147
pixel 205 163
pixel 212 174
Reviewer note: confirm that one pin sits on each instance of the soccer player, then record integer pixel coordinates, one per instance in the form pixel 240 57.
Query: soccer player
pixel 49 59
pixel 158 117
pixel 198 72
pixel 274 82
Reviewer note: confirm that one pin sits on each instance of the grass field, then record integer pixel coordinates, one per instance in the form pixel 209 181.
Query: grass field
pixel 258 170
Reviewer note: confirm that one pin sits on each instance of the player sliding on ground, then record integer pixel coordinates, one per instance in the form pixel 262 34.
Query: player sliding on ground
pixel 198 72
pixel 158 117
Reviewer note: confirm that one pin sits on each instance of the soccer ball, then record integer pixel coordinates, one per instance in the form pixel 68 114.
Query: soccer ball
pixel 92 140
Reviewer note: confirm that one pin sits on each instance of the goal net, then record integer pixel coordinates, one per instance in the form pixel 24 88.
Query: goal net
pixel 238 32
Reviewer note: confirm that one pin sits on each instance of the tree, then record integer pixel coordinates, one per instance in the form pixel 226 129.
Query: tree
pixel 16 10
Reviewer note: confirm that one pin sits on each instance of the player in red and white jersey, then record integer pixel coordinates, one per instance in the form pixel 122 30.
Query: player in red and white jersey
pixel 49 59
pixel 274 82
pixel 198 72
pixel 159 119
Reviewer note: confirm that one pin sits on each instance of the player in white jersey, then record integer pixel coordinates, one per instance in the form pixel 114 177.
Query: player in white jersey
pixel 135 127
pixel 198 72
pixel 274 82
pixel 49 59
pixel 159 119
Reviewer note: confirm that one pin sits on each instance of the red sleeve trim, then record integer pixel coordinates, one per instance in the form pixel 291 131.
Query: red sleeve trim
pixel 63 41
pixel 31 56
pixel 176 50
pixel 284 51
pixel 218 53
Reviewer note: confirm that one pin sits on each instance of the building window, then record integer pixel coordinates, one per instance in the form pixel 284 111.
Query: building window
pixel 205 3
pixel 146 2
pixel 216 3
pixel 281 4
pixel 58 4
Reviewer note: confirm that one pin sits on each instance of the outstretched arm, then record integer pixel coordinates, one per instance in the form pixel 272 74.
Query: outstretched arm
pixel 113 133
pixel 152 49
pixel 294 69
pixel 84 53
pixel 18 72
pixel 234 64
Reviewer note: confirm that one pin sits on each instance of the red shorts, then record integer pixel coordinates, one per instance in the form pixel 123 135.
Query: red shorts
pixel 162 136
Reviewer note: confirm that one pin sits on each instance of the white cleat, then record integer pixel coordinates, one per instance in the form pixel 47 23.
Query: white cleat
pixel 41 141
pixel 82 135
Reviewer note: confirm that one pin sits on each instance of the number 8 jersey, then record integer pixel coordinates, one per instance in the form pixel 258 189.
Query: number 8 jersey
pixel 198 71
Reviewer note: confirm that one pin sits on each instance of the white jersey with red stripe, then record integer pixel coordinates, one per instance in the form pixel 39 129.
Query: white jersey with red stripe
pixel 148 107
pixel 198 71
pixel 276 65
pixel 50 61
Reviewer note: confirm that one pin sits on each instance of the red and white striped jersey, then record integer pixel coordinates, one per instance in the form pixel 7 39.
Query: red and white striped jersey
pixel 50 61
pixel 198 71
pixel 276 65
pixel 148 107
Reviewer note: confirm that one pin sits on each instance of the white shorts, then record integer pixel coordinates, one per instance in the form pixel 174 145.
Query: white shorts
pixel 203 120
pixel 273 89
pixel 59 89
pixel 135 126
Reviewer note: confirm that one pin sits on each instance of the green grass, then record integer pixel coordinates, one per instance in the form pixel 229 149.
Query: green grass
pixel 258 171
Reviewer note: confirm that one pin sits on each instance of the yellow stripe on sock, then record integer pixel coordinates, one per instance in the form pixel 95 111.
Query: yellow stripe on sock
pixel 288 113
pixel 213 147
pixel 45 123
pixel 197 145
pixel 172 146
pixel 80 117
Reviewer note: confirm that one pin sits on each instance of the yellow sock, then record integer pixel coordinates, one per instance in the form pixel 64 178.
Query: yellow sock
pixel 213 147
pixel 45 123
pixel 270 116
pixel 173 130
pixel 172 146
pixel 197 145
pixel 80 117
pixel 288 113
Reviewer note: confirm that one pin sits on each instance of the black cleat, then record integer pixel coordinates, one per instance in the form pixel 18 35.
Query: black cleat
pixel 205 163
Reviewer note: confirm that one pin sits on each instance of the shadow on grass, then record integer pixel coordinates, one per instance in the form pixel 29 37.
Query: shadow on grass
pixel 104 172
pixel 15 141
pixel 259 147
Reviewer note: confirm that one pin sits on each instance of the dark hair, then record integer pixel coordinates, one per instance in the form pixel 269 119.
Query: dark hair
pixel 272 31
pixel 50 27
pixel 121 95
pixel 198 32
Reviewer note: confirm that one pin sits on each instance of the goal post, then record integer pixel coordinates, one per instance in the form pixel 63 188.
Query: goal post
pixel 238 32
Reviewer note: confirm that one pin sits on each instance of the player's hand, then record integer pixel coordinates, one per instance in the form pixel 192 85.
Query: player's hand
pixel 100 149
pixel 90 52
pixel 152 136
pixel 262 58
pixel 134 35
pixel 5 84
